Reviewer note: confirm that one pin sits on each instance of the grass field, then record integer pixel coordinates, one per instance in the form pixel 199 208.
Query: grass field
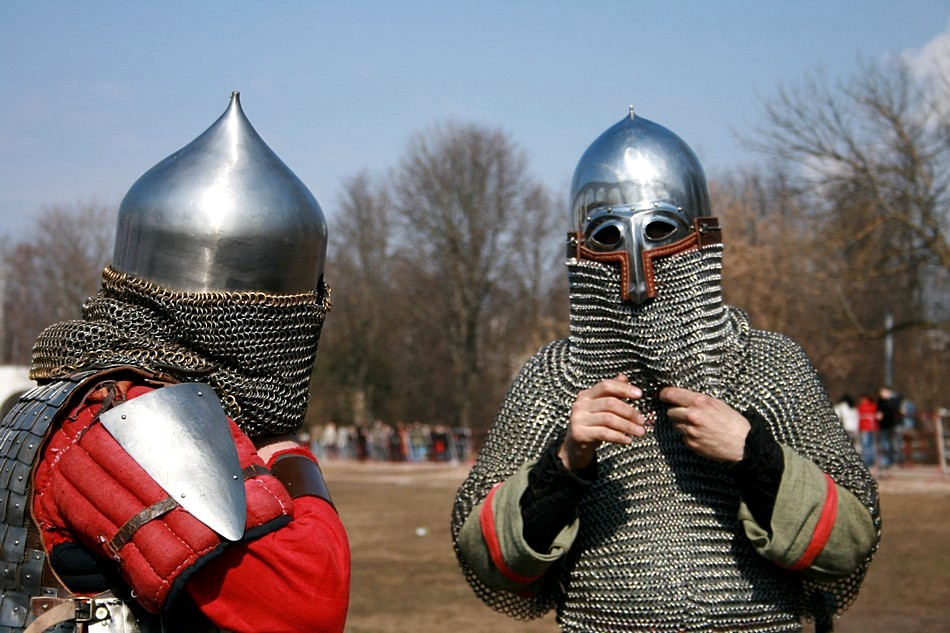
pixel 405 578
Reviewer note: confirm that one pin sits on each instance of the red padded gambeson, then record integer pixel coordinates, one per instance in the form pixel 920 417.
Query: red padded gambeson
pixel 86 487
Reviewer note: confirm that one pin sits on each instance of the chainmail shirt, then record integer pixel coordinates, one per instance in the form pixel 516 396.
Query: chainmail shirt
pixel 660 547
pixel 255 349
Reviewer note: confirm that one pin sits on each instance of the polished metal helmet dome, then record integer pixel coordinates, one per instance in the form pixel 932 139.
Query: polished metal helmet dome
pixel 638 164
pixel 637 193
pixel 223 213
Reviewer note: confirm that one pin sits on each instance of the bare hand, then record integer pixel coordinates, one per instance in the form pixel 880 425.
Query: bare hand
pixel 601 414
pixel 710 427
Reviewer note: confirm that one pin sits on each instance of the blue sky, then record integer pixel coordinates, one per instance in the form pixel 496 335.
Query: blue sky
pixel 93 93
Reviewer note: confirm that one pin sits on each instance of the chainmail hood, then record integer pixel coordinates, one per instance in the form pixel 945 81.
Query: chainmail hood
pixel 684 338
pixel 637 565
pixel 257 350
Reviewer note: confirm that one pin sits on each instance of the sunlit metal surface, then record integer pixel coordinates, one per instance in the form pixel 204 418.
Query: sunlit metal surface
pixel 222 213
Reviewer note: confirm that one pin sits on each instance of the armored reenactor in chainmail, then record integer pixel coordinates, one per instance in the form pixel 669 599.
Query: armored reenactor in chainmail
pixel 152 481
pixel 666 467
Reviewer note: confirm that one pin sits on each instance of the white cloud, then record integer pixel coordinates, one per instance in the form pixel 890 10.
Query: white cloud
pixel 933 59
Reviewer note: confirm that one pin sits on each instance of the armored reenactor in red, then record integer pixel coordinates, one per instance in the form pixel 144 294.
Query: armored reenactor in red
pixel 152 480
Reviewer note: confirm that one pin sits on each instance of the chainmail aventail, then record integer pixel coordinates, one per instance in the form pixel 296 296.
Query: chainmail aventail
pixel 257 350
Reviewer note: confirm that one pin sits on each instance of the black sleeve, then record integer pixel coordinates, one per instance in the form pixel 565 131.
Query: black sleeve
pixel 759 473
pixel 549 503
pixel 81 570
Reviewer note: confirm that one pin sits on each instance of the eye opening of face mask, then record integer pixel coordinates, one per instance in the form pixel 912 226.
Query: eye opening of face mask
pixel 659 229
pixel 608 236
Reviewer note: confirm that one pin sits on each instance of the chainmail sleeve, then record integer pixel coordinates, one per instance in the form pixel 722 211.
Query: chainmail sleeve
pixel 780 383
pixel 532 414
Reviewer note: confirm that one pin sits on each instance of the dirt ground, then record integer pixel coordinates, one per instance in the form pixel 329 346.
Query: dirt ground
pixel 405 578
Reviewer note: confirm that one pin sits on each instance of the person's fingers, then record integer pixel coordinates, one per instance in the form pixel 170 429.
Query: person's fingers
pixel 618 387
pixel 677 396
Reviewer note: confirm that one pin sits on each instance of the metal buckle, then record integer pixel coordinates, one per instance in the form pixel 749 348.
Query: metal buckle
pixel 84 609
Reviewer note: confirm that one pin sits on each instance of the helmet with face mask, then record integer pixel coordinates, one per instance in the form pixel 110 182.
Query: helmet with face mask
pixel 638 192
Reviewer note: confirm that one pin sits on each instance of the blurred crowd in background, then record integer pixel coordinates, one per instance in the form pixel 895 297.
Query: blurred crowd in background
pixel 889 430
pixel 400 442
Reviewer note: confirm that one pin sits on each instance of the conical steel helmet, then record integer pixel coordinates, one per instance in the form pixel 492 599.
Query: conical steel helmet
pixel 223 213
pixel 637 189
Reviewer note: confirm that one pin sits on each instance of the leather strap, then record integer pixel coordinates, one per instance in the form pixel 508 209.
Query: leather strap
pixel 301 476
pixel 254 470
pixel 708 230
pixel 127 531
pixel 52 611
pixel 63 612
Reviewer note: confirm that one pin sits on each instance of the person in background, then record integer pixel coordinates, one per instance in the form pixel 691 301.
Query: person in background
pixel 848 414
pixel 665 467
pixel 160 485
pixel 868 428
pixel 889 422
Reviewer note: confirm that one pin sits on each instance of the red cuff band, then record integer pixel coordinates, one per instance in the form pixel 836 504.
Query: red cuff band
pixel 822 532
pixel 490 534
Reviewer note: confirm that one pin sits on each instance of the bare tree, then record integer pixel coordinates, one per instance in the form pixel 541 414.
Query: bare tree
pixel 875 154
pixel 355 370
pixel 469 209
pixel 534 298
pixel 776 267
pixel 48 274
pixel 868 164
